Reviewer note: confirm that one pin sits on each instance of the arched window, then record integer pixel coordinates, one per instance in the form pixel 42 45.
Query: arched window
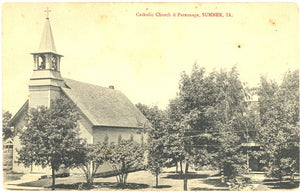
pixel 41 62
pixel 119 139
pixel 105 142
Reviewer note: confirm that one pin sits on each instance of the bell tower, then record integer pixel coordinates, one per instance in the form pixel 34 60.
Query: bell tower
pixel 46 79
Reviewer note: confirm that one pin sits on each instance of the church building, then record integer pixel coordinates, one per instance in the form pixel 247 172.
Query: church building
pixel 105 113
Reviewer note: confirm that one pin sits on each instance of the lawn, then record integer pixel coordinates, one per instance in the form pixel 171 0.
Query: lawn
pixel 168 181
pixel 140 180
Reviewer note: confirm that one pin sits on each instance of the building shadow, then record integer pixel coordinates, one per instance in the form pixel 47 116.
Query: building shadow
pixel 162 186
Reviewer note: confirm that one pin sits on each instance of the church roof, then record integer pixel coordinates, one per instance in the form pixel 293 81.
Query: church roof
pixel 19 113
pixel 104 106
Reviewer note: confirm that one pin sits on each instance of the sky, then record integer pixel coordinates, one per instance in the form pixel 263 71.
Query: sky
pixel 143 56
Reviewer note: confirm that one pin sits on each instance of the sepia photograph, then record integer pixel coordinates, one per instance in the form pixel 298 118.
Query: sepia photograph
pixel 150 96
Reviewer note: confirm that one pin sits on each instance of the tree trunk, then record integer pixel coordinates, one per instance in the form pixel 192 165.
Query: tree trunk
pixel 88 168
pixel 53 179
pixel 125 178
pixel 222 176
pixel 280 178
pixel 114 168
pixel 185 181
pixel 121 178
pixel 91 172
pixel 292 178
pixel 176 167
pixel 89 177
pixel 180 167
pixel 156 179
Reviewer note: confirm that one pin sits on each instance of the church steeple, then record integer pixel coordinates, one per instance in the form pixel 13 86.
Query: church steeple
pixel 46 57
pixel 46 80
pixel 47 41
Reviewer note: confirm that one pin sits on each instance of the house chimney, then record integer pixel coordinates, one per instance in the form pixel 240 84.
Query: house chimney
pixel 111 87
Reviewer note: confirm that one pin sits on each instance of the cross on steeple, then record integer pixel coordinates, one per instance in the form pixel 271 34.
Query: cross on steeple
pixel 47 11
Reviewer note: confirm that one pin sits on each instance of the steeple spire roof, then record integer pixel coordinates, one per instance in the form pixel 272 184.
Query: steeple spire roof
pixel 47 41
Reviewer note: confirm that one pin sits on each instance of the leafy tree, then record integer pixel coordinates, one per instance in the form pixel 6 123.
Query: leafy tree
pixel 174 149
pixel 230 108
pixel 95 155
pixel 156 138
pixel 50 137
pixel 7 130
pixel 208 120
pixel 124 157
pixel 155 163
pixel 279 132
pixel 189 131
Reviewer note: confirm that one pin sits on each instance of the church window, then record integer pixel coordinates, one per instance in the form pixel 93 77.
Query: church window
pixel 119 139
pixel 41 62
pixel 131 138
pixel 105 142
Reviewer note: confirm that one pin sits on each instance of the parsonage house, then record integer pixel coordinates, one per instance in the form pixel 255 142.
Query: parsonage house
pixel 104 112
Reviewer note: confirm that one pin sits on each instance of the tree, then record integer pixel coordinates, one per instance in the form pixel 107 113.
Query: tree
pixel 156 139
pixel 208 120
pixel 230 108
pixel 189 131
pixel 174 149
pixel 50 137
pixel 124 157
pixel 7 130
pixel 95 155
pixel 279 131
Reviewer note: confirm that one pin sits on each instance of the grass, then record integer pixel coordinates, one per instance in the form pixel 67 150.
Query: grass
pixel 84 186
pixel 168 181
pixel 39 183
pixel 141 180
pixel 47 182
pixel 189 176
pixel 276 184
pixel 205 189
pixel 101 185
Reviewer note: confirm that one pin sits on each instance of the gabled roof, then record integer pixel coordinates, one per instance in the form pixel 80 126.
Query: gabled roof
pixel 21 111
pixel 104 106
pixel 8 141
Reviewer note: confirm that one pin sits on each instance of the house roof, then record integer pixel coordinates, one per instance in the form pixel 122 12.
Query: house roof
pixel 8 141
pixel 104 106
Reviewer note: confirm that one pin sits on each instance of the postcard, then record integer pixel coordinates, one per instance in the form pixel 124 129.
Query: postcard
pixel 150 96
